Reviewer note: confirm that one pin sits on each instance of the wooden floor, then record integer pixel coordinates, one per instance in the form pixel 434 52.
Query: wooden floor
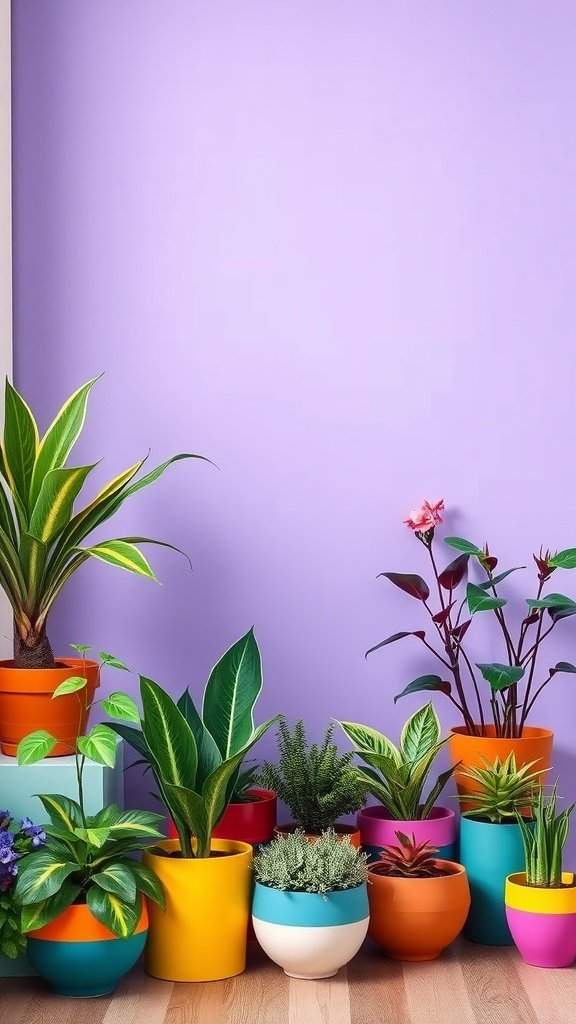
pixel 468 985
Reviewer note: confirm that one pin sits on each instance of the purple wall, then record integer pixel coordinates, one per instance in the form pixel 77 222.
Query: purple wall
pixel 332 246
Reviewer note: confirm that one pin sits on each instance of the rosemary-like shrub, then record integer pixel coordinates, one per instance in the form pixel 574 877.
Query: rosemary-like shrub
pixel 294 864
pixel 317 783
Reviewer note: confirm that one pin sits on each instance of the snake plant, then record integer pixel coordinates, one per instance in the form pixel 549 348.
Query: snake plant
pixel 42 535
pixel 544 844
pixel 196 756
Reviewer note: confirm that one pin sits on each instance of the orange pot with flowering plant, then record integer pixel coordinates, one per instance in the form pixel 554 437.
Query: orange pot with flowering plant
pixel 494 699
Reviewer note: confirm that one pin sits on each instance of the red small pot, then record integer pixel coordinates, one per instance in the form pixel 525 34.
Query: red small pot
pixel 251 822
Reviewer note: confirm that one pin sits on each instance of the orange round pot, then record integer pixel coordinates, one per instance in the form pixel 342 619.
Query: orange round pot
pixel 534 745
pixel 26 703
pixel 344 831
pixel 416 918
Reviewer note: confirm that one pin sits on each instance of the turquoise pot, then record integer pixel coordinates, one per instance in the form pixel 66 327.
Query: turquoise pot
pixel 489 853
pixel 85 968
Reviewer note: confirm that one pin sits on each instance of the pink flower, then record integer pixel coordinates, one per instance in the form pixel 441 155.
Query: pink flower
pixel 426 517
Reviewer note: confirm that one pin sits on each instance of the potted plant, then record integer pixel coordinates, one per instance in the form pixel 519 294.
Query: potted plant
pixel 495 723
pixel 195 758
pixel 491 846
pixel 317 783
pixel 43 541
pixel 83 895
pixel 541 901
pixel 16 842
pixel 418 904
pixel 397 777
pixel 310 907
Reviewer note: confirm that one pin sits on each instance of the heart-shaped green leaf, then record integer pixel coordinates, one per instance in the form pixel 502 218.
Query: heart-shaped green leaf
pixel 35 746
pixel 564 559
pixel 70 685
pixel 120 705
pixel 99 745
pixel 499 676
pixel 479 601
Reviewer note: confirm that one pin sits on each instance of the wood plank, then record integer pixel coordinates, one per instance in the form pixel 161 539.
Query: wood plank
pixel 261 994
pixel 551 993
pixel 377 991
pixel 139 998
pixel 30 1001
pixel 326 1001
pixel 197 1003
pixel 436 992
pixel 494 986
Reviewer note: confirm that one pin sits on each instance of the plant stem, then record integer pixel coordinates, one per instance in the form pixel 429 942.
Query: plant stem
pixel 534 655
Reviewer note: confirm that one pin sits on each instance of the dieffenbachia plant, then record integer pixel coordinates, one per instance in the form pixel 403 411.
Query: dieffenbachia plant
pixel 88 858
pixel 513 684
pixel 196 756
pixel 42 536
pixel 397 775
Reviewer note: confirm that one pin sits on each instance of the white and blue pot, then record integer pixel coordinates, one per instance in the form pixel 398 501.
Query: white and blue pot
pixel 310 936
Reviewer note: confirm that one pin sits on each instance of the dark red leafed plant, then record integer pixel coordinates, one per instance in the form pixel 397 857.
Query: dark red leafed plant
pixel 514 684
pixel 409 860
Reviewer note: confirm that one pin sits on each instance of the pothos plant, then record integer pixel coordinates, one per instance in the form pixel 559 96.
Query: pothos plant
pixel 88 858
pixel 515 683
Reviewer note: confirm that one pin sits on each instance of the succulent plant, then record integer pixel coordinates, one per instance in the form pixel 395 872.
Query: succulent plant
pixel 504 789
pixel 409 860
pixel 544 844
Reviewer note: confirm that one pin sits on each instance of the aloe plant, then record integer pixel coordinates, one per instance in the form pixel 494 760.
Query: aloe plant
pixel 397 775
pixel 42 536
pixel 504 789
pixel 196 756
pixel 545 842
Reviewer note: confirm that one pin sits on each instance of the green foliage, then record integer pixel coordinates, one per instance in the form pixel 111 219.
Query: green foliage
pixel 87 858
pixel 409 860
pixel 544 844
pixel 294 864
pixel 504 789
pixel 317 783
pixel 397 776
pixel 41 536
pixel 196 757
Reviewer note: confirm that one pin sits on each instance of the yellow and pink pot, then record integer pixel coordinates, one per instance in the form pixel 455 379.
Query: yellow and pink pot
pixel 542 921
pixel 78 956
pixel 201 935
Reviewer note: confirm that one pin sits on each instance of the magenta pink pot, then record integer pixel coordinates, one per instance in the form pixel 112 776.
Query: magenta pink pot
pixel 378 829
pixel 542 921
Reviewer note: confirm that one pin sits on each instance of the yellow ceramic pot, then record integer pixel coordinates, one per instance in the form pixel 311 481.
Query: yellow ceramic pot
pixel 201 936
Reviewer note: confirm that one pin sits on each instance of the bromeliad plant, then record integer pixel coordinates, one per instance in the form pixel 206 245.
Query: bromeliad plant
pixel 409 860
pixel 397 776
pixel 196 756
pixel 42 537
pixel 503 789
pixel 452 616
pixel 16 842
pixel 88 858
pixel 545 842
pixel 293 864
pixel 317 783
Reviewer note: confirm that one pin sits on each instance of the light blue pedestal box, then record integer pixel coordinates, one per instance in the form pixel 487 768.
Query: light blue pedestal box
pixel 19 785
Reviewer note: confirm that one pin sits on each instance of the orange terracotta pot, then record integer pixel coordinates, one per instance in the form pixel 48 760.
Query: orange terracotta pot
pixel 534 745
pixel 416 918
pixel 344 831
pixel 26 703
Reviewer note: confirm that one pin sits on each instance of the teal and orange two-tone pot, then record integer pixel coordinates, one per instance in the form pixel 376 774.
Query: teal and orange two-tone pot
pixel 489 852
pixel 378 829
pixel 78 956
pixel 543 920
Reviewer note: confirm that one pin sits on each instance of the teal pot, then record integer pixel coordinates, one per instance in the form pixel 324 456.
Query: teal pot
pixel 489 853
pixel 310 936
pixel 78 956
pixel 378 829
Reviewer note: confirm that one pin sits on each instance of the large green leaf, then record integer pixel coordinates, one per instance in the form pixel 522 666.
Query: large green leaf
pixel 136 825
pixel 124 555
pixel 480 601
pixel 41 874
pixel 499 676
pixel 231 693
pixel 436 790
pixel 154 474
pixel 209 756
pixel 36 915
pixel 99 745
pixel 488 584
pixel 134 737
pixel 564 559
pixel 20 444
pixel 428 682
pixel 169 738
pixel 114 913
pixel 146 881
pixel 420 733
pixel 35 746
pixel 8 518
pixel 61 810
pixel 463 545
pixel 53 509
pixel 33 554
pixel 59 439
pixel 71 685
pixel 187 807
pixel 365 738
pixel 118 879
pixel 93 837
pixel 551 601
pixel 120 705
